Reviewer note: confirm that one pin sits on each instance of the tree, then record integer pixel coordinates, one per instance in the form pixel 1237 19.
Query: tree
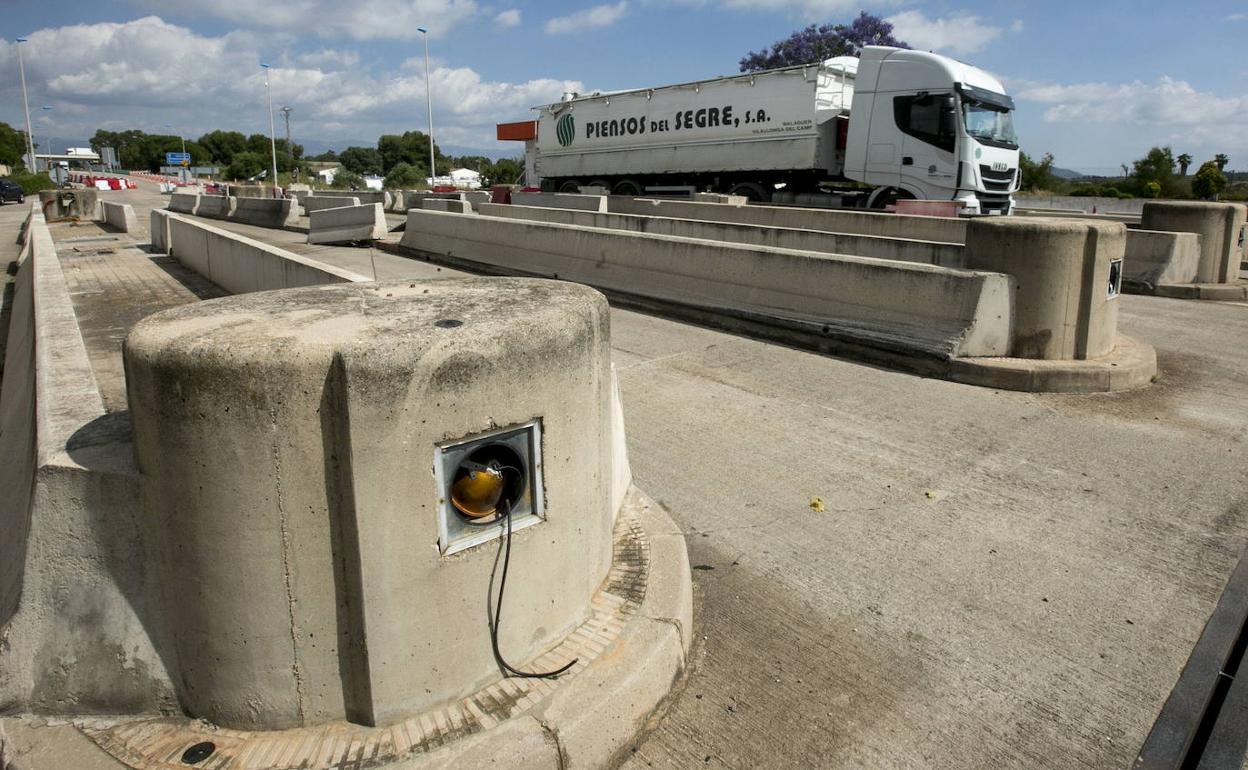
pixel 361 160
pixel 222 146
pixel 12 145
pixel 1184 161
pixel 504 171
pixel 1209 181
pixel 246 164
pixel 404 176
pixel 411 147
pixel 815 44
pixel 1037 175
pixel 1221 160
pixel 1157 166
pixel 347 180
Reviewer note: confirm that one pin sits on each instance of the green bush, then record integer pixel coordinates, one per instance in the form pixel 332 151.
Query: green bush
pixel 347 180
pixel 32 183
pixel 404 176
pixel 1209 181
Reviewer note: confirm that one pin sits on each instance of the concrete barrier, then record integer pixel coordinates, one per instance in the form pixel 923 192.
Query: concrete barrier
pixel 1065 300
pixel 249 191
pixel 319 202
pixel 348 224
pixel 1223 243
pixel 265 212
pixel 215 206
pixel 183 203
pixel 119 215
pixel 878 304
pixel 76 591
pixel 1155 258
pixel 563 201
pixel 441 204
pixel 878 247
pixel 943 229
pixel 239 264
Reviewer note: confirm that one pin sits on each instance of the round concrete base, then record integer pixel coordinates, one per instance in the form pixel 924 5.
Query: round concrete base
pixel 1132 364
pixel 631 649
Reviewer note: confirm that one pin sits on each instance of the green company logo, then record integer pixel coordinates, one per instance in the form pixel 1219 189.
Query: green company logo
pixel 565 130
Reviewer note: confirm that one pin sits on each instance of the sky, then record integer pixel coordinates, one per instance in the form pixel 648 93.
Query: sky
pixel 1096 83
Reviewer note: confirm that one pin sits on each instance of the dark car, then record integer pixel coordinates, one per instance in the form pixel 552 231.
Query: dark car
pixel 11 191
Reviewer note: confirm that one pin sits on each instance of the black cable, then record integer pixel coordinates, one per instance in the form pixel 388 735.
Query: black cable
pixel 504 547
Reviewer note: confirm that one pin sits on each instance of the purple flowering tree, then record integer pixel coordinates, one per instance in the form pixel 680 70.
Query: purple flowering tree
pixel 814 44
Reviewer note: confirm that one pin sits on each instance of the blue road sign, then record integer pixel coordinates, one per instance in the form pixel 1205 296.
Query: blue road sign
pixel 177 158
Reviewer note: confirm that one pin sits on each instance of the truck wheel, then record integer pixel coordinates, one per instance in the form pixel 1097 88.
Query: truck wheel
pixel 754 192
pixel 604 184
pixel 627 187
pixel 887 196
pixel 569 186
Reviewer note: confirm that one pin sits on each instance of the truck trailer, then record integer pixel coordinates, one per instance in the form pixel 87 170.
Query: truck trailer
pixel 863 131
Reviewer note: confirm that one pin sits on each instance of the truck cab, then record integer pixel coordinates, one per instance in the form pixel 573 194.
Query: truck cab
pixel 929 127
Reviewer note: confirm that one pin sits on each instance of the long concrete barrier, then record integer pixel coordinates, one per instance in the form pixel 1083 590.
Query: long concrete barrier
pixel 348 224
pixel 563 201
pixel 239 264
pixel 943 229
pixel 441 204
pixel 265 212
pixel 215 206
pixel 319 202
pixel 119 215
pixel 76 586
pixel 885 305
pixel 183 203
pixel 879 247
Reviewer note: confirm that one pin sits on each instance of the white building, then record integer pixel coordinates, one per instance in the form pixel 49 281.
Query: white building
pixel 463 178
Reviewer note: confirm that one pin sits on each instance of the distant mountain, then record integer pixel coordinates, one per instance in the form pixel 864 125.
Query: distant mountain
pixel 1065 173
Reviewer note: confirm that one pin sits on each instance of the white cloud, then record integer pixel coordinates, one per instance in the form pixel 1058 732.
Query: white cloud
pixel 820 11
pixel 1017 26
pixel 590 18
pixel 146 73
pixel 1237 17
pixel 1167 111
pixel 358 20
pixel 328 58
pixel 958 35
pixel 508 18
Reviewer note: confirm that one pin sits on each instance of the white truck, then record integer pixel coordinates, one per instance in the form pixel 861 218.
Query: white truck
pixel 890 124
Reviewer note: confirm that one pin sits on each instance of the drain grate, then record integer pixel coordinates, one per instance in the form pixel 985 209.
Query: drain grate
pixel 1203 723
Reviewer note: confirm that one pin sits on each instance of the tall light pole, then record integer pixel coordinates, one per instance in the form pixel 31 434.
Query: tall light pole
pixel 48 108
pixel 433 171
pixel 289 147
pixel 30 140
pixel 272 131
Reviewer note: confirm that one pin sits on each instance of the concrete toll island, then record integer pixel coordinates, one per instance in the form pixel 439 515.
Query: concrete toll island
pixel 320 566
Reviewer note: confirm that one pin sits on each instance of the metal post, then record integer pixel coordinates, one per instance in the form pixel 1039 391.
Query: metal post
pixel 433 171
pixel 30 138
pixel 289 147
pixel 48 163
pixel 272 131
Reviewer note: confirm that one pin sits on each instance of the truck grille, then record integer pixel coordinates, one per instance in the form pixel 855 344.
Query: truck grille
pixel 997 180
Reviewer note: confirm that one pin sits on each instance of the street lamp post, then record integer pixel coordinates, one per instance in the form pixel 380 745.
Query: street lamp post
pixel 30 140
pixel 272 131
pixel 48 164
pixel 433 171
pixel 56 177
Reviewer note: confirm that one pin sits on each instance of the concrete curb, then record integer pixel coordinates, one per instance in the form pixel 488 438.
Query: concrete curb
pixel 585 720
pixel 1132 364
pixel 1220 292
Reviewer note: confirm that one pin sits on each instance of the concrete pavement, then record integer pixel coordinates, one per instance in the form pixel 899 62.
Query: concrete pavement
pixel 996 580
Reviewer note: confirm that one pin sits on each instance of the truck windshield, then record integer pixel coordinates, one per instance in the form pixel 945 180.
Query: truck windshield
pixel 989 124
